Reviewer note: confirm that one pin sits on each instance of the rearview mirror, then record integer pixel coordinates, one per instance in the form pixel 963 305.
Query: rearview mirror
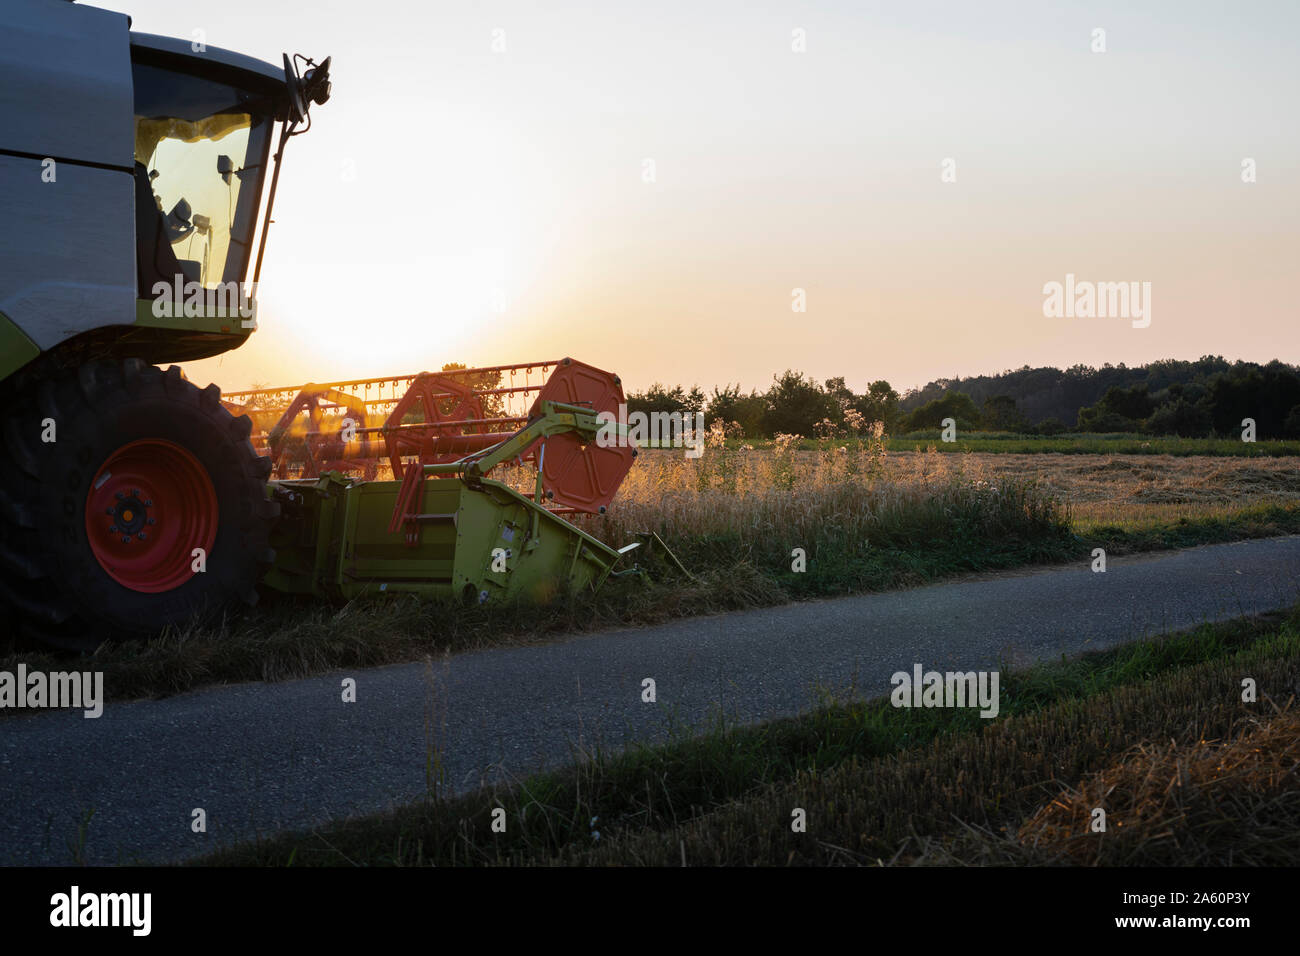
pixel 316 84
pixel 225 167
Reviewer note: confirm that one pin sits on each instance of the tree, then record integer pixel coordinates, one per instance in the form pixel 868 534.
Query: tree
pixel 1001 414
pixel 1048 392
pixel 1120 410
pixel 879 403
pixel 840 399
pixel 955 405
pixel 494 406
pixel 1135 402
pixel 795 405
pixel 729 404
pixel 1099 421
pixel 1265 394
pixel 659 398
pixel 1291 426
pixel 1180 417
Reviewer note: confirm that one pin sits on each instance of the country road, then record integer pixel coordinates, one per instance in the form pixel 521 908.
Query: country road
pixel 263 757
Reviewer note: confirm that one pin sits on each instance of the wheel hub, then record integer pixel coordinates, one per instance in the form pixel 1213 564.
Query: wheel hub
pixel 131 516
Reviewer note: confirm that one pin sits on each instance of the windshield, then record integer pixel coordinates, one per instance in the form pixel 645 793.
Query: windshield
pixel 200 148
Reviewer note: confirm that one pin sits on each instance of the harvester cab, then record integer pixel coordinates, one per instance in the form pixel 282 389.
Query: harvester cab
pixel 154 153
pixel 132 173
pixel 203 129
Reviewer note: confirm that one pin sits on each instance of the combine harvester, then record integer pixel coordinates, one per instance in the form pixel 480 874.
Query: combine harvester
pixel 131 175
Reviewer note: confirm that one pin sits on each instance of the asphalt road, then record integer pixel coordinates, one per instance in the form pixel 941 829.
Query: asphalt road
pixel 264 757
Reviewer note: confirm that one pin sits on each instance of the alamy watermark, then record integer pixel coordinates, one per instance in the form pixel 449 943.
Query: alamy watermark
pixel 661 429
pixel 189 299
pixel 61 689
pixel 1098 300
pixel 73 909
pixel 953 689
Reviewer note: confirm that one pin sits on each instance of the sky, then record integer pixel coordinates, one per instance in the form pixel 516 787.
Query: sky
pixel 644 186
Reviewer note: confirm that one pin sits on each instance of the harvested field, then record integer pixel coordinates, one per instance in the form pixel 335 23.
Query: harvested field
pixel 1201 802
pixel 1138 489
pixel 1124 490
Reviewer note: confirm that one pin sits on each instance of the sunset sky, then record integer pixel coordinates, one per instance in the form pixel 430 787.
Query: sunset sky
pixel 443 175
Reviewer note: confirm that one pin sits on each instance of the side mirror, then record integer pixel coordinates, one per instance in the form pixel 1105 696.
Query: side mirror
pixel 316 84
pixel 225 167
pixel 313 87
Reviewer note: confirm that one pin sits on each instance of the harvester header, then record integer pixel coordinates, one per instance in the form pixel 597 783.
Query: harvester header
pixel 385 483
pixel 375 427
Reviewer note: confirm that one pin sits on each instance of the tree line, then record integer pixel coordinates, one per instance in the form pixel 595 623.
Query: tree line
pixel 1210 396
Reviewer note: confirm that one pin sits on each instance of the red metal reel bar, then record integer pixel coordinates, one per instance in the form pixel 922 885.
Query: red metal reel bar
pixel 584 477
pixel 327 447
pixel 428 393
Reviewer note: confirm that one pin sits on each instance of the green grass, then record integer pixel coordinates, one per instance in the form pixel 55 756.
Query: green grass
pixel 877 783
pixel 1252 521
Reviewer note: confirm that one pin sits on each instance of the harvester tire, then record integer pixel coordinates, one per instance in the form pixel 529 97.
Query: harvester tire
pixel 132 501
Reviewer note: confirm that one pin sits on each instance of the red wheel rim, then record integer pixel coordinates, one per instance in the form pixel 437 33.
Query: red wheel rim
pixel 150 505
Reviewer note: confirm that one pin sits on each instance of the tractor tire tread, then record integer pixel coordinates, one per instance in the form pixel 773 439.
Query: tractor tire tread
pixel 52 599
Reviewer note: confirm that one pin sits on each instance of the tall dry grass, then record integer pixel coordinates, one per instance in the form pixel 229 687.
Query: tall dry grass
pixel 751 505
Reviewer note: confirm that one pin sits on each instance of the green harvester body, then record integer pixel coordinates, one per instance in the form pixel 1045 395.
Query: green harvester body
pixel 471 537
pixel 486 543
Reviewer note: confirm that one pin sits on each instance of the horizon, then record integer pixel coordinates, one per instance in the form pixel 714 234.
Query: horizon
pixel 903 392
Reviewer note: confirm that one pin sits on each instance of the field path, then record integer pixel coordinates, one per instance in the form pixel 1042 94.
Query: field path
pixel 262 757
